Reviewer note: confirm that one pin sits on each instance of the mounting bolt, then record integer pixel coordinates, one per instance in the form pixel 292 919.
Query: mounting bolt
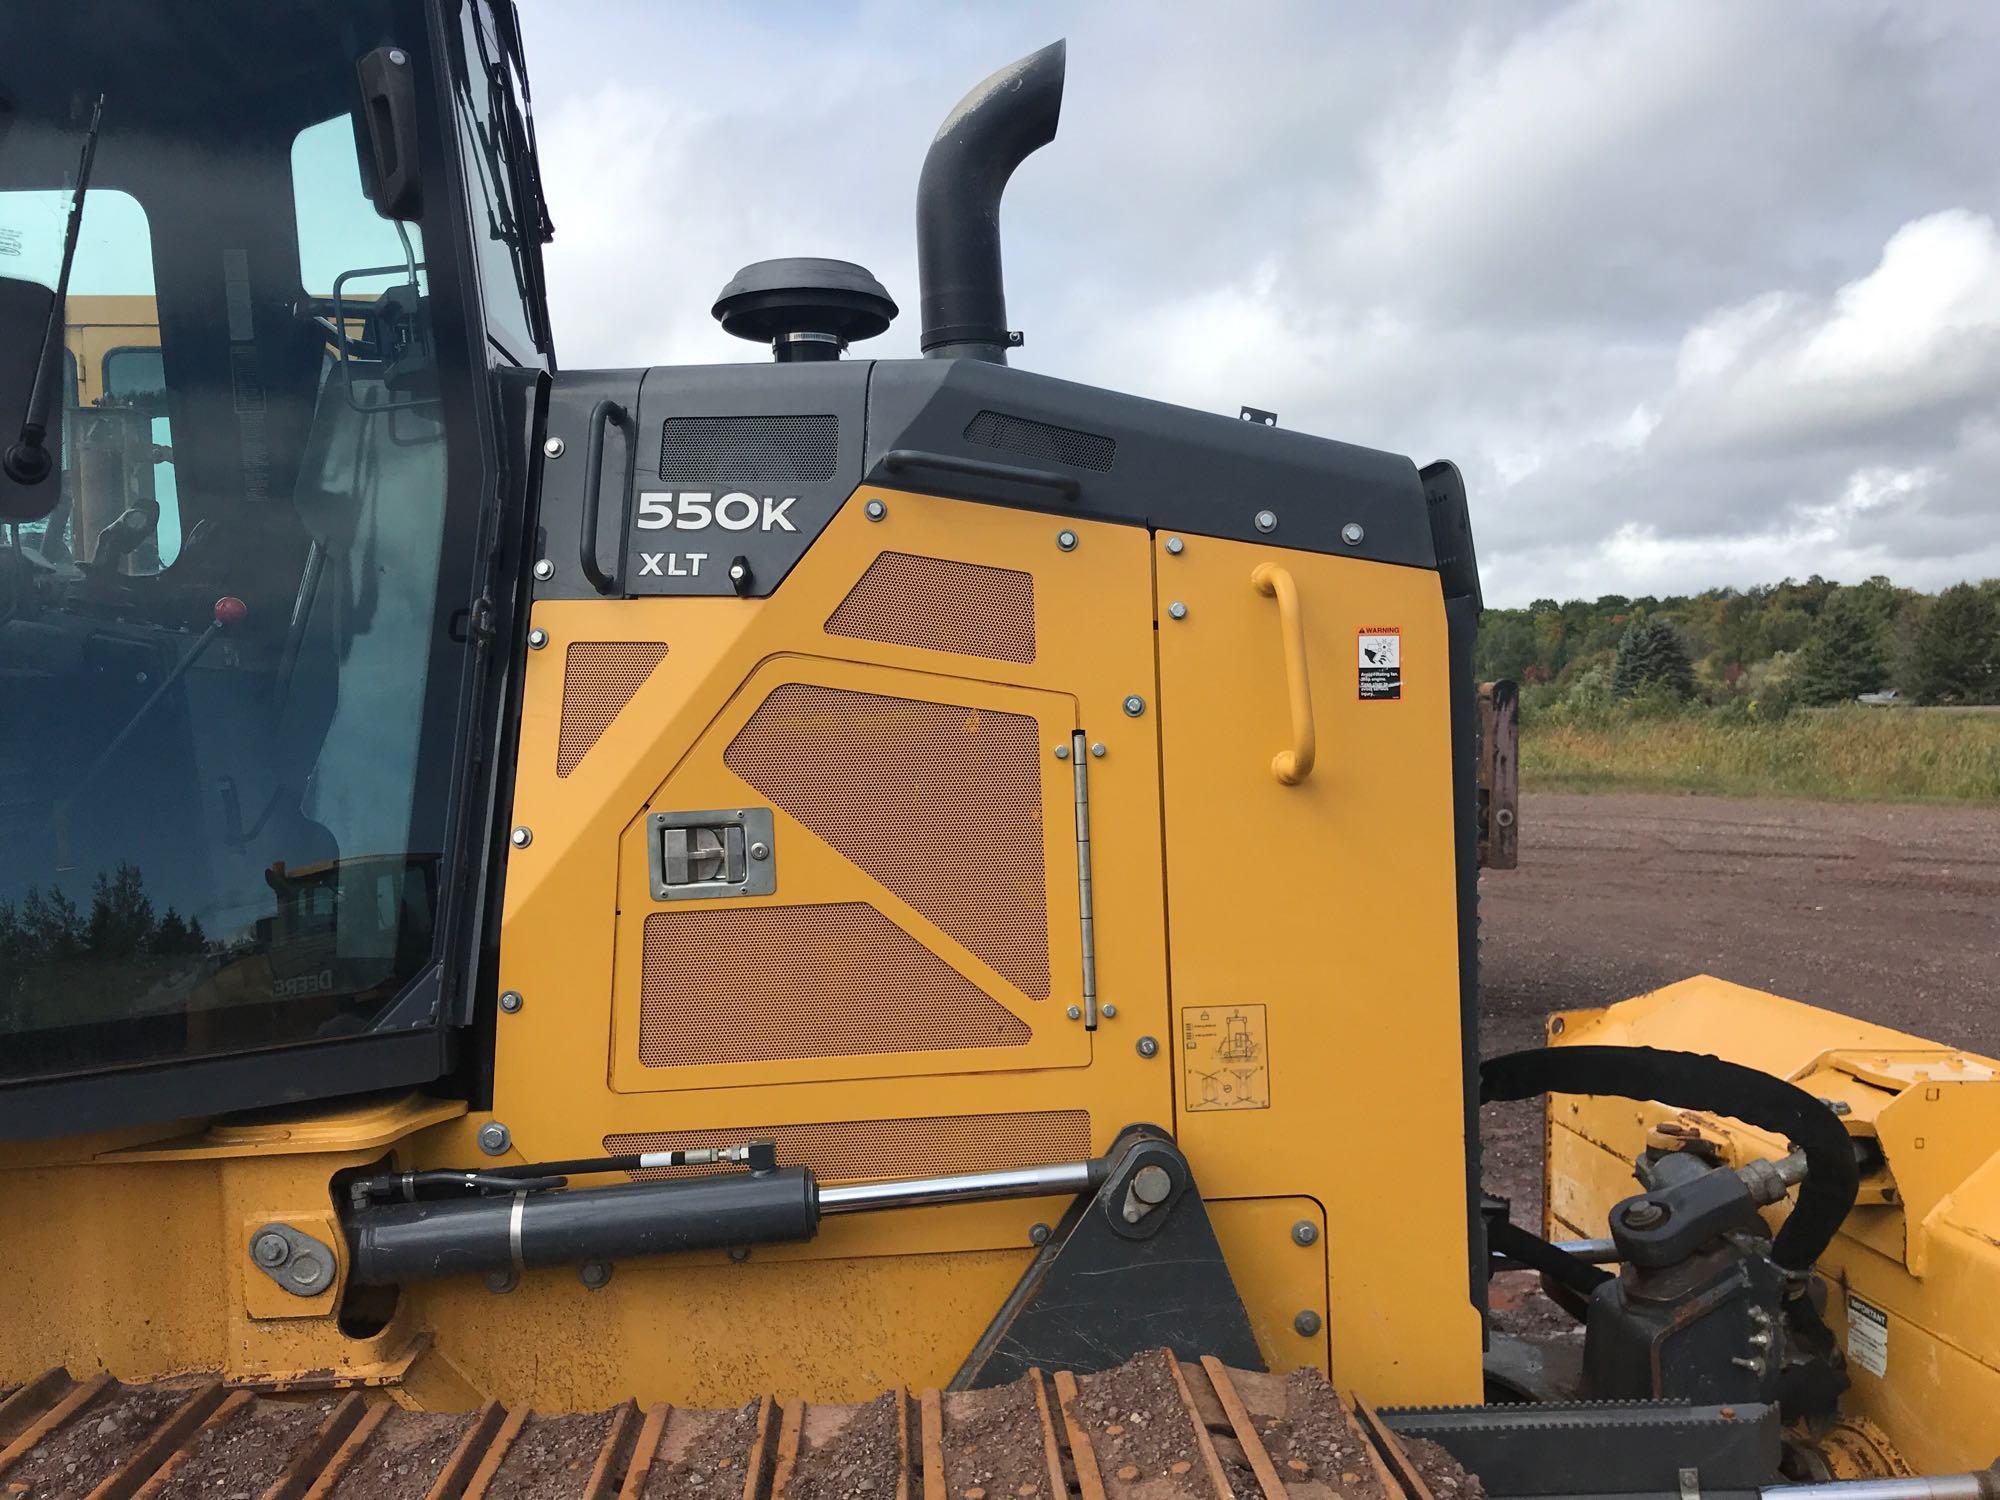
pixel 1151 1184
pixel 1838 1106
pixel 594 1274
pixel 553 447
pixel 1267 520
pixel 1134 706
pixel 1304 1232
pixel 1175 546
pixel 544 569
pixel 1148 1047
pixel 1062 751
pixel 1177 610
pixel 499 1282
pixel 1306 1324
pixel 1066 540
pixel 760 850
pixel 537 638
pixel 510 1001
pixel 1097 749
pixel 739 1253
pixel 1109 1012
pixel 1038 1234
pixel 495 1138
pixel 1645 1214
pixel 271 1249
pixel 1075 1012
pixel 1352 533
pixel 875 510
pixel 522 836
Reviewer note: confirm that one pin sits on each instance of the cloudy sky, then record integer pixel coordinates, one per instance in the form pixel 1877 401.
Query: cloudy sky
pixel 1695 293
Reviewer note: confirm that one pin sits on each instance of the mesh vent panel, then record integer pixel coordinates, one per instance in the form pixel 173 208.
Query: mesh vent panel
pixel 599 679
pixel 939 802
pixel 940 605
pixel 725 449
pixel 758 984
pixel 1063 445
pixel 885 1150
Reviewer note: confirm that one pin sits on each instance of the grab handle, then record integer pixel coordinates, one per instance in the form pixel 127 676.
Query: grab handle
pixel 593 474
pixel 1294 765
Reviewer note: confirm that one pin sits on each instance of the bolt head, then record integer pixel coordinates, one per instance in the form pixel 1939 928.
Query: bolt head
pixel 553 447
pixel 271 1249
pixel 522 836
pixel 1109 1012
pixel 1645 1214
pixel 495 1138
pixel 1151 1184
pixel 1038 1234
pixel 1177 610
pixel 544 569
pixel 594 1274
pixel 875 510
pixel 1267 520
pixel 398 56
pixel 1175 546
pixel 1352 533
pixel 1062 752
pixel 1148 1047
pixel 537 638
pixel 510 1001
pixel 1134 706
pixel 1305 1232
pixel 1066 540
pixel 760 850
pixel 1097 749
pixel 1075 1012
pixel 1306 1324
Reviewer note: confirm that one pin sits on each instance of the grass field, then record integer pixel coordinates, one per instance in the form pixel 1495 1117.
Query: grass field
pixel 1850 753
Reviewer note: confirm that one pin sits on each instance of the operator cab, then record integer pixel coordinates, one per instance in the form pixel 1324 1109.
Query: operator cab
pixel 244 614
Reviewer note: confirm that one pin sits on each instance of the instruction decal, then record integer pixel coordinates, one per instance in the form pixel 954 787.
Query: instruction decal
pixel 1225 1057
pixel 1867 1336
pixel 1381 656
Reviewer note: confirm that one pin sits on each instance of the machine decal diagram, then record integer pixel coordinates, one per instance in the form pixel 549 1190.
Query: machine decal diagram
pixel 1381 662
pixel 1225 1057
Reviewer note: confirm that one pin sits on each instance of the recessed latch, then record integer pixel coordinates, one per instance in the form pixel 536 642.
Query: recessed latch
pixel 719 852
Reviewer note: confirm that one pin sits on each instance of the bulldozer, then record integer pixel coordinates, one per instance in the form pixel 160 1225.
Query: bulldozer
pixel 809 927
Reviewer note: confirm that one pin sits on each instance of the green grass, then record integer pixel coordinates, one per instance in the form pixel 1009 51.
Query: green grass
pixel 1848 754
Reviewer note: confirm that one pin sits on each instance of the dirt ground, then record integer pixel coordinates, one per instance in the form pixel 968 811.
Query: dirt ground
pixel 1889 911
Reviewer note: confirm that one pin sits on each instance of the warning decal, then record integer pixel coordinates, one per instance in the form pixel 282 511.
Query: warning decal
pixel 1381 662
pixel 1225 1057
pixel 1867 1336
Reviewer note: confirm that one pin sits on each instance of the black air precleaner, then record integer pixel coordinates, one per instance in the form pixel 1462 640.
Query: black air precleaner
pixel 990 133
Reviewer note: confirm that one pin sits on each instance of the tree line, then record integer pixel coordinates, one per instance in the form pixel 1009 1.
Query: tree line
pixel 1762 650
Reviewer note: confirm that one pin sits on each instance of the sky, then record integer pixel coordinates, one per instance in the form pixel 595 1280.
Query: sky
pixel 1695 294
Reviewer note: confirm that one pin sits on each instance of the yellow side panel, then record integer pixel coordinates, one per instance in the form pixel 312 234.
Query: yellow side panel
pixel 1323 915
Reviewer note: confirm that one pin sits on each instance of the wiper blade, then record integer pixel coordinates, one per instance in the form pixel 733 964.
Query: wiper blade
pixel 27 460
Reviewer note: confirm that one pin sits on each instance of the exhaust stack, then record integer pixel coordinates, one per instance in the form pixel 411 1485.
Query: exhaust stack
pixel 990 132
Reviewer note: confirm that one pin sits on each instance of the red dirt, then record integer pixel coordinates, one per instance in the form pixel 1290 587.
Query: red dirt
pixel 403 1457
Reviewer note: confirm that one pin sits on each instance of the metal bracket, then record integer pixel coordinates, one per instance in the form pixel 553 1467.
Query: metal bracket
pixel 302 1265
pixel 719 852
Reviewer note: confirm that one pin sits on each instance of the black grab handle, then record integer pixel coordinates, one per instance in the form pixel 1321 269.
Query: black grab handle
pixel 606 410
pixel 907 460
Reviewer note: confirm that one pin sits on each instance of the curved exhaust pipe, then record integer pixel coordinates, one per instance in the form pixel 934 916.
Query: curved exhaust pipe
pixel 992 131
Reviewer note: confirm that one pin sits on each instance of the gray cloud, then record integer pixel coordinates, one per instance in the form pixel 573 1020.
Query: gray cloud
pixel 1696 294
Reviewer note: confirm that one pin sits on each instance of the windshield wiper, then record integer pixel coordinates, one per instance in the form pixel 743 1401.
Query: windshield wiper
pixel 27 460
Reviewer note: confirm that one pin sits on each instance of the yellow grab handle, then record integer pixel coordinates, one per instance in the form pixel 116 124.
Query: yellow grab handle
pixel 1294 765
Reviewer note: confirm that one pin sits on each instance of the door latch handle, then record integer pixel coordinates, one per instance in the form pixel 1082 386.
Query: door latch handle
pixel 1273 582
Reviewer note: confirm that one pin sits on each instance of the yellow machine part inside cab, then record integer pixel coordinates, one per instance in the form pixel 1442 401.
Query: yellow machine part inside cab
pixel 910 718
pixel 1914 1274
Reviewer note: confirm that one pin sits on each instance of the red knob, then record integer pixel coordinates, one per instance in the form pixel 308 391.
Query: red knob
pixel 230 610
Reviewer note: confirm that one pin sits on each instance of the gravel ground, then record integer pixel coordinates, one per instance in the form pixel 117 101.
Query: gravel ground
pixel 1888 911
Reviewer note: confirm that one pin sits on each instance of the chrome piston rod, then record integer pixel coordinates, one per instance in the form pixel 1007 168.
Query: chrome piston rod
pixel 967 1187
pixel 1985 1485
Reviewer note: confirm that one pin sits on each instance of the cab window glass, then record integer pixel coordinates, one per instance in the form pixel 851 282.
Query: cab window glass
pixel 498 229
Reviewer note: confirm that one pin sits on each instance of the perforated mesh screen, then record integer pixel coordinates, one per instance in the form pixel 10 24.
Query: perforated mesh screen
pixel 1063 445
pixel 725 449
pixel 885 1150
pixel 758 984
pixel 940 802
pixel 599 679
pixel 941 605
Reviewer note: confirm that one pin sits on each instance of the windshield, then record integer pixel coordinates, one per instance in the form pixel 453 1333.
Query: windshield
pixel 226 678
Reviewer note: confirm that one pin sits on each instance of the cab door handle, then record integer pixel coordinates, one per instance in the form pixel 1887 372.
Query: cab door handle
pixel 1295 764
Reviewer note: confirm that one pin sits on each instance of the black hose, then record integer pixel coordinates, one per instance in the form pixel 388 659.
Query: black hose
pixel 1695 1080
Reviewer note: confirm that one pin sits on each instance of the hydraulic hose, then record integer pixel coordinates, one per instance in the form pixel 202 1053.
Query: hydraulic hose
pixel 1694 1080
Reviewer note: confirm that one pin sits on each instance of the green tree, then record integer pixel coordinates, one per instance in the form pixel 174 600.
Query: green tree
pixel 1847 653
pixel 1651 651
pixel 1956 655
pixel 121 914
